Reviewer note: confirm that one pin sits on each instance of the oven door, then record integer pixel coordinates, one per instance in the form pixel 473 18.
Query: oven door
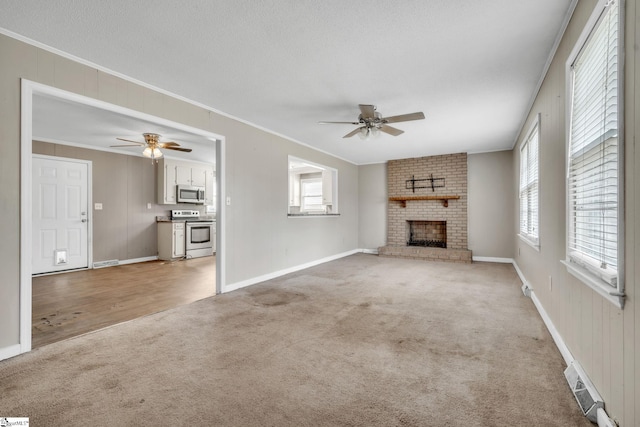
pixel 200 235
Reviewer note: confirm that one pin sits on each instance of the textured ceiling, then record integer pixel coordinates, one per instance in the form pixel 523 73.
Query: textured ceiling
pixel 471 66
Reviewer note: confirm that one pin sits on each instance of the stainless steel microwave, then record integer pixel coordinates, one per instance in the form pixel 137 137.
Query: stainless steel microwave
pixel 190 194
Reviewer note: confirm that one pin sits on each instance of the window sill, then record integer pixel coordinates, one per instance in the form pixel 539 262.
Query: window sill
pixel 606 291
pixel 535 245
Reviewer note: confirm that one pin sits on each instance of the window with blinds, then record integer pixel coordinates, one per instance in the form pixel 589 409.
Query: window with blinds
pixel 529 186
pixel 594 160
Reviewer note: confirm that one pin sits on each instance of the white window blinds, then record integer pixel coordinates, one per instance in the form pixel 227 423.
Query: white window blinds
pixel 593 152
pixel 529 186
pixel 312 194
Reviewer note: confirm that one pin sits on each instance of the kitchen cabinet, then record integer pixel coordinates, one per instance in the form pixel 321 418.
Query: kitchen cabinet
pixel 169 174
pixel 199 176
pixel 187 174
pixel 327 187
pixel 182 173
pixel 171 240
pixel 175 172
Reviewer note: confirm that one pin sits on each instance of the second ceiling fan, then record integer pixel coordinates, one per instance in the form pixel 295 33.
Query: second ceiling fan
pixel 371 122
pixel 153 145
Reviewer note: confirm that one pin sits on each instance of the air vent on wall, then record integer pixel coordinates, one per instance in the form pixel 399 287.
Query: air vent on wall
pixel 585 393
pixel 108 263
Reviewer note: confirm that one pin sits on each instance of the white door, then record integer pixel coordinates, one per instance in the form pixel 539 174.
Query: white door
pixel 60 215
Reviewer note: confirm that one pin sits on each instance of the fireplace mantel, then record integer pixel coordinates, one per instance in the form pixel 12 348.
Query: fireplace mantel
pixel 403 199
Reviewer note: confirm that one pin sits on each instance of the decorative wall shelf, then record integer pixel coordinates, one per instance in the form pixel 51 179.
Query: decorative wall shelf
pixel 404 199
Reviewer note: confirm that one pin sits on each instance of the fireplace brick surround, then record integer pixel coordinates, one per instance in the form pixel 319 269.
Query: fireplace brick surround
pixel 451 167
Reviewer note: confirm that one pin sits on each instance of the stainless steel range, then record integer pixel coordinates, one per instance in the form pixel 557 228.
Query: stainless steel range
pixel 200 233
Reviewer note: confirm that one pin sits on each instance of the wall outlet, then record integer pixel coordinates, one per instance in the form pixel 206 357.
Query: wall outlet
pixel 98 206
pixel 148 205
pixel 228 201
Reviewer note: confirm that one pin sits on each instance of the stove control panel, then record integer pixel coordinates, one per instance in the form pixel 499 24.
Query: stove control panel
pixel 185 213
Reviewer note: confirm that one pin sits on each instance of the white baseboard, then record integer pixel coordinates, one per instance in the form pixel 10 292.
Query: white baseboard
pixel 493 259
pixel 520 275
pixel 269 276
pixel 369 251
pixel 11 351
pixel 604 420
pixel 557 338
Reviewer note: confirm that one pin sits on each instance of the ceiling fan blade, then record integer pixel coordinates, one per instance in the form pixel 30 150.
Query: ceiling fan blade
pixel 168 144
pixel 353 132
pixel 128 145
pixel 390 130
pixel 404 118
pixel 128 140
pixel 368 111
pixel 338 123
pixel 186 150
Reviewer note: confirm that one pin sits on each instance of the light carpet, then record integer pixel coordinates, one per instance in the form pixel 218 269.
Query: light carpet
pixel 361 341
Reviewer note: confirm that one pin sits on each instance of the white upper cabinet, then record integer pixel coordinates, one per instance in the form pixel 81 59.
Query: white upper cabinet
pixel 199 176
pixel 175 172
pixel 182 173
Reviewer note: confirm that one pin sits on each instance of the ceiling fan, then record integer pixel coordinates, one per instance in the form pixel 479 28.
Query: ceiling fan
pixel 372 123
pixel 153 145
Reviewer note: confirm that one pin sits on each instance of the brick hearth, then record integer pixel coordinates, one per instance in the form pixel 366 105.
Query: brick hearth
pixel 431 254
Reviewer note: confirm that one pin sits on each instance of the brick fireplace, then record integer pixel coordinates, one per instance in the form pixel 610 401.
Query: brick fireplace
pixel 427 210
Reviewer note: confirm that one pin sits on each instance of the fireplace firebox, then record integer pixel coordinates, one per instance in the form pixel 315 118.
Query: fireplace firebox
pixel 431 234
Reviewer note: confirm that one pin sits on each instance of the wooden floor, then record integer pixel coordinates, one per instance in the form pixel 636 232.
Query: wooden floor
pixel 70 304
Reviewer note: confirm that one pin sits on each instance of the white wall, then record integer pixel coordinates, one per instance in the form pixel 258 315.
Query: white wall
pixel 261 238
pixel 491 191
pixel 372 206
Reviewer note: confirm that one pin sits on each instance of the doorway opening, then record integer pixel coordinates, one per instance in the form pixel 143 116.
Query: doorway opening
pixel 33 92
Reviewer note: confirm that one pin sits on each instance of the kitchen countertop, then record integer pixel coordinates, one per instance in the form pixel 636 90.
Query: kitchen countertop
pixel 168 219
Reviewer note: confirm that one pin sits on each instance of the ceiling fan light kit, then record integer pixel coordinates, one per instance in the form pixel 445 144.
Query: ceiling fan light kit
pixel 367 133
pixel 152 153
pixel 372 123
